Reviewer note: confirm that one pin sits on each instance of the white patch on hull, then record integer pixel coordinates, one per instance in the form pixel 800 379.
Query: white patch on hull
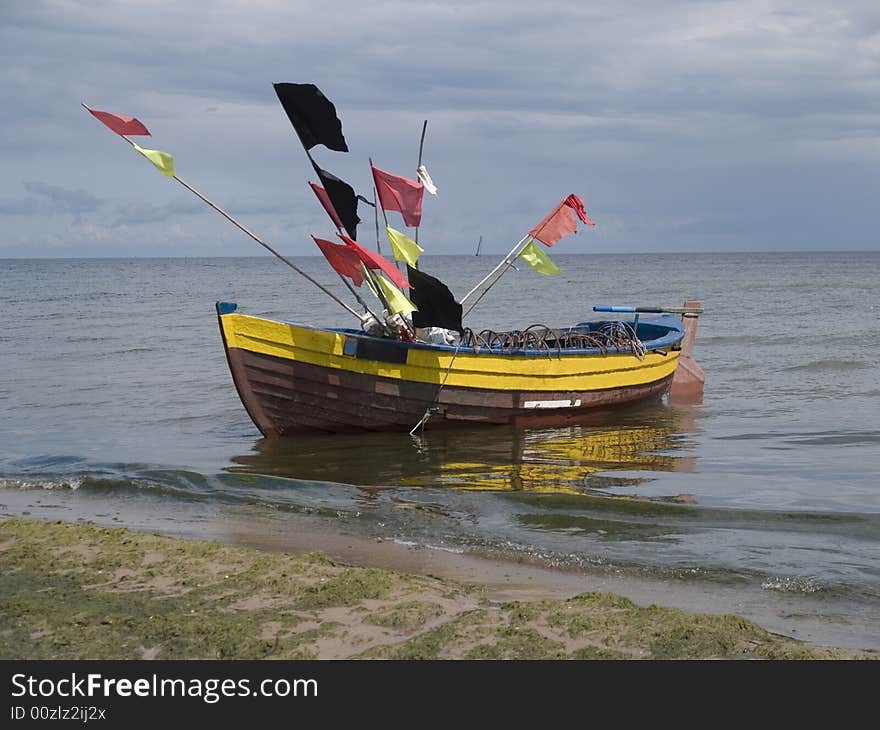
pixel 572 403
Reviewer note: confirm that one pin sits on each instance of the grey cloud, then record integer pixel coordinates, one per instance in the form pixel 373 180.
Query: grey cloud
pixel 138 213
pixel 46 199
pixel 127 214
pixel 666 116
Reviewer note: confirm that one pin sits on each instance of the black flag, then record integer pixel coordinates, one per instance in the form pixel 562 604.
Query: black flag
pixel 342 197
pixel 312 115
pixel 437 306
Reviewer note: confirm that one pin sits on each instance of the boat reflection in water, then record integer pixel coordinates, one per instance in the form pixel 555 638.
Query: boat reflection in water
pixel 581 494
pixel 573 459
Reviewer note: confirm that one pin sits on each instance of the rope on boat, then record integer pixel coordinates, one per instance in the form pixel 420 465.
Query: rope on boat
pixel 433 407
pixel 615 334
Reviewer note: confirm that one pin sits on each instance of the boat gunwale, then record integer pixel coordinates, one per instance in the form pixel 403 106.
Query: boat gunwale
pixel 673 336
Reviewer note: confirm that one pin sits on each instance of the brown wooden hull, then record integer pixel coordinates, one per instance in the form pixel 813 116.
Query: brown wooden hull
pixel 284 397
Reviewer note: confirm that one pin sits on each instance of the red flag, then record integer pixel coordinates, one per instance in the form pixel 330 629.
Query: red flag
pixel 560 221
pixel 377 261
pixel 399 193
pixel 576 203
pixel 120 124
pixel 328 206
pixel 342 259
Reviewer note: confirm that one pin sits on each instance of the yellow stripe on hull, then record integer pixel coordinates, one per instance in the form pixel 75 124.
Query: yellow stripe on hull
pixel 496 372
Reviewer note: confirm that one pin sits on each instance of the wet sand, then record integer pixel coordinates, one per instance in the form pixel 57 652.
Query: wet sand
pixel 502 578
pixel 85 591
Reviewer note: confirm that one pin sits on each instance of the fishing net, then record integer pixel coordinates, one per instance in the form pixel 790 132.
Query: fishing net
pixel 613 336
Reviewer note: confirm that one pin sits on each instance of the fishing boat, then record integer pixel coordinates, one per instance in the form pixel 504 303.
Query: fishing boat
pixel 295 377
pixel 416 365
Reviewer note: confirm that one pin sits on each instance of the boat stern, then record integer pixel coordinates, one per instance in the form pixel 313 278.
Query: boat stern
pixel 688 381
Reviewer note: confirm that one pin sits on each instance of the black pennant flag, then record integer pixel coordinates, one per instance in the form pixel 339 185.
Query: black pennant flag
pixel 437 306
pixel 342 197
pixel 312 115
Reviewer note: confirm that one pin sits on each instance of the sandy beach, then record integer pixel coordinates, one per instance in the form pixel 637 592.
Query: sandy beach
pixel 77 591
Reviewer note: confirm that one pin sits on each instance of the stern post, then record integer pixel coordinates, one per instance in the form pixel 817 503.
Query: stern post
pixel 688 381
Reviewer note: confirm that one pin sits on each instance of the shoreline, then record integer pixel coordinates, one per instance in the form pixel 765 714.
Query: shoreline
pixel 78 590
pixel 816 619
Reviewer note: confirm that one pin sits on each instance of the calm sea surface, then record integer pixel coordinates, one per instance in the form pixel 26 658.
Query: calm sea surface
pixel 116 400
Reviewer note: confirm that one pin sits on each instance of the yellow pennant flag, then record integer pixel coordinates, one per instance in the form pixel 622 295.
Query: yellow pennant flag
pixel 396 300
pixel 537 259
pixel 162 160
pixel 403 247
pixel 369 280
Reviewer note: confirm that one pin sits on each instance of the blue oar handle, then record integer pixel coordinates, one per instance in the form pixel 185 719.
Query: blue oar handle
pixel 650 310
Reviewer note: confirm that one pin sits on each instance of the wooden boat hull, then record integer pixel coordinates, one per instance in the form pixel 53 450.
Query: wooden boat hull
pixel 294 378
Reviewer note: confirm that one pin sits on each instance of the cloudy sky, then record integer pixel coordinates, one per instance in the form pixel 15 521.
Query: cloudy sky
pixel 685 126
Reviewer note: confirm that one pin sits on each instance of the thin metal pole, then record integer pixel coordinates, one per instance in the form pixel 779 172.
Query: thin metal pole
pixel 483 293
pixel 508 259
pixel 376 217
pixel 256 238
pixel 384 216
pixel 356 295
pixel 266 245
pixel 421 147
pixel 376 193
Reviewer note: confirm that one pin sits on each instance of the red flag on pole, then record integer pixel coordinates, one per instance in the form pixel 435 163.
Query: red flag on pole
pixel 399 193
pixel 342 259
pixel 120 124
pixel 377 261
pixel 576 203
pixel 328 206
pixel 560 221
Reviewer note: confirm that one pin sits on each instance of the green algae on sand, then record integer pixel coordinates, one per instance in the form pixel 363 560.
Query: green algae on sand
pixel 79 591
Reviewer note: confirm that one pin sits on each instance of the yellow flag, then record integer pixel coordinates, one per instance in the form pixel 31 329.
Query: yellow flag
pixel 537 259
pixel 396 300
pixel 369 280
pixel 162 160
pixel 403 247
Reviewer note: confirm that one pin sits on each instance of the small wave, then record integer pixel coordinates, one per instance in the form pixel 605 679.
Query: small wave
pixel 793 585
pixel 830 365
pixel 74 483
pixel 441 548
pixel 869 438
pixel 750 339
pixel 47 461
pixel 814 438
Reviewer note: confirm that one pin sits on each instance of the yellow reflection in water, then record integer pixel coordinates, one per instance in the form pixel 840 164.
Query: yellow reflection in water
pixel 571 459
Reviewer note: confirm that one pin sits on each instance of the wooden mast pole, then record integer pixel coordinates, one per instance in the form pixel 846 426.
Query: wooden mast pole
pixel 256 238
pixel 421 148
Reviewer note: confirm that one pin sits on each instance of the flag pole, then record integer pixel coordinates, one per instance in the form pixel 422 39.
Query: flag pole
pixel 508 259
pixel 267 246
pixel 358 297
pixel 486 290
pixel 384 216
pixel 376 217
pixel 421 148
pixel 255 237
pixel 377 290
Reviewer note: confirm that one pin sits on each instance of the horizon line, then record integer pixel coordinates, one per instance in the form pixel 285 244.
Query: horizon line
pixel 443 255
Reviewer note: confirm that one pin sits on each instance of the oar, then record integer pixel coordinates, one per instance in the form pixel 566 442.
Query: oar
pixel 649 310
pixel 256 238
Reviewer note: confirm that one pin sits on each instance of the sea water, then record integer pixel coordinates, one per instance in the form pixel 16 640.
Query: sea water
pixel 116 402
